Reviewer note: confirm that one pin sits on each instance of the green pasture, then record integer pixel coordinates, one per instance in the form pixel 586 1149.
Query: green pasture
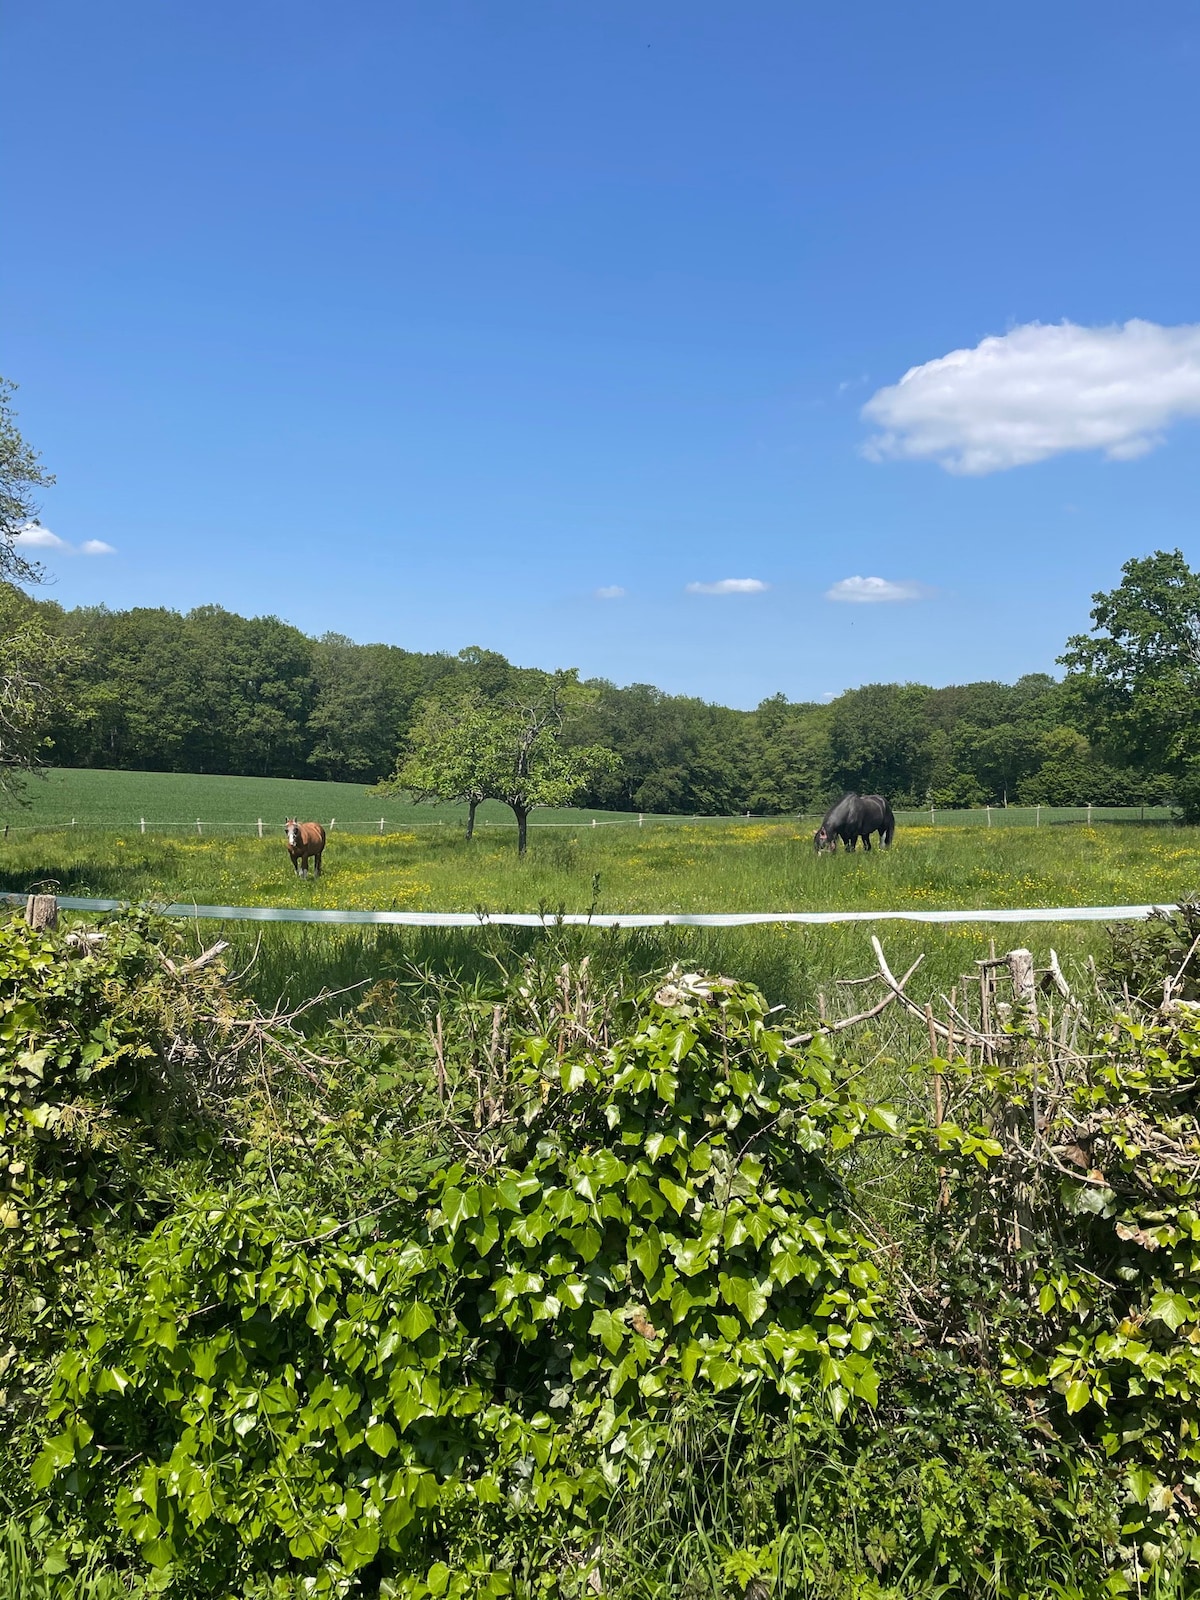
pixel 686 867
pixel 177 800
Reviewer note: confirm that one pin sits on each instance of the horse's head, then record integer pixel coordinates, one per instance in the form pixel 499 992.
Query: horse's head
pixel 291 831
pixel 820 839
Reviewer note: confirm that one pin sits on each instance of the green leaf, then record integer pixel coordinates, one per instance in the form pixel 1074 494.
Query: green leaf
pixel 1078 1394
pixel 382 1439
pixel 458 1205
pixel 1172 1309
pixel 745 1294
pixel 676 1195
pixel 418 1319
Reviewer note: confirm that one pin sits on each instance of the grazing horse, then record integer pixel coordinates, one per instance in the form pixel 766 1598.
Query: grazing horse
pixel 304 840
pixel 855 817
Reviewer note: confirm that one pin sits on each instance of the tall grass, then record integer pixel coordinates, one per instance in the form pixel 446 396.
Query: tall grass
pixel 23 1577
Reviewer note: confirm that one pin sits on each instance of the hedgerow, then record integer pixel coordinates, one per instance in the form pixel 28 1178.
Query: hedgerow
pixel 559 1287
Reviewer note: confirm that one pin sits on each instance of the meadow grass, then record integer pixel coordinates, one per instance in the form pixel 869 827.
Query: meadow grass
pixel 685 868
pixel 767 866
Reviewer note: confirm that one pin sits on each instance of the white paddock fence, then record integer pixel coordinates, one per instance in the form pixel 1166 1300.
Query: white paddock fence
pixel 985 816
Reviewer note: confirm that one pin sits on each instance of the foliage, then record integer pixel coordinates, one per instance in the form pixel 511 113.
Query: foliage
pixel 21 472
pixel 1137 678
pixel 513 749
pixel 1072 1172
pixel 25 1575
pixel 209 691
pixel 304 1401
pixel 33 668
pixel 561 1283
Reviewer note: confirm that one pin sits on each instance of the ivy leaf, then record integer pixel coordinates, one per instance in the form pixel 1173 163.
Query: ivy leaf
pixel 745 1294
pixel 1172 1309
pixel 1078 1395
pixel 675 1193
pixel 381 1437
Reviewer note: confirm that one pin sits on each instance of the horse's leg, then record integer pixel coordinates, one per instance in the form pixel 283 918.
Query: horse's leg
pixel 317 860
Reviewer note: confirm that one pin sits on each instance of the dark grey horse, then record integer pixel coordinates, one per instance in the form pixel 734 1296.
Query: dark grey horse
pixel 855 817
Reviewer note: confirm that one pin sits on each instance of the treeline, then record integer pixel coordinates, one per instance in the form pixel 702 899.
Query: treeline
pixel 152 689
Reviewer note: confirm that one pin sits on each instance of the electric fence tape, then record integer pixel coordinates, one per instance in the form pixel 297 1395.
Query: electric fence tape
pixel 639 919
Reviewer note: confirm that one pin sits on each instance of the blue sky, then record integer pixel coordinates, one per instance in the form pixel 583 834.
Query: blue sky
pixel 425 323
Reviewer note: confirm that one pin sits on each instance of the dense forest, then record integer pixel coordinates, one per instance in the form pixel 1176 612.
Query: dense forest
pixel 152 689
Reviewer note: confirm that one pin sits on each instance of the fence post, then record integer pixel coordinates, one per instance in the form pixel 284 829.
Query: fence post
pixel 641 818
pixel 199 829
pixel 41 912
pixel 143 824
pixel 260 827
pixel 931 816
pixel 381 824
pixel 593 822
pixel 1038 819
pixel 1089 813
pixel 988 809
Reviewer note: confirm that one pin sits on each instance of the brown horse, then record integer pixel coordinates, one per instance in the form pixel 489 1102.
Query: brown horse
pixel 304 839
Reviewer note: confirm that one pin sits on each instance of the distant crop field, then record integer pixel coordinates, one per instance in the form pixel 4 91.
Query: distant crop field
pixel 175 800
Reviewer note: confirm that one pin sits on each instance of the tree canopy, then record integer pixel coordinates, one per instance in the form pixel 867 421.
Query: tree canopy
pixel 21 472
pixel 512 748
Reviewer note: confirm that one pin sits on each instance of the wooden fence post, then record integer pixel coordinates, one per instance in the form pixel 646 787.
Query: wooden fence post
pixel 143 824
pixel 260 827
pixel 199 829
pixel 41 912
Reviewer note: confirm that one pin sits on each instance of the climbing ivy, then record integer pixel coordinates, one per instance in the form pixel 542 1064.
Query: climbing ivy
pixel 270 1392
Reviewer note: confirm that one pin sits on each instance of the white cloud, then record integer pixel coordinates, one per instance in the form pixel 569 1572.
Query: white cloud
pixel 869 591
pixel 610 591
pixel 34 537
pixel 1040 390
pixel 729 586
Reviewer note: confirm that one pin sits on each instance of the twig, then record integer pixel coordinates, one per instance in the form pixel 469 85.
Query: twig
pixel 862 1016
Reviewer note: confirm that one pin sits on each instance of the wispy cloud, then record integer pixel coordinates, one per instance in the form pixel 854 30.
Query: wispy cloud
pixel 610 591
pixel 1038 391
pixel 729 586
pixel 34 537
pixel 870 591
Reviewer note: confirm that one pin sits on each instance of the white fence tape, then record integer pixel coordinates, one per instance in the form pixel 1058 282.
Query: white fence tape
pixel 636 919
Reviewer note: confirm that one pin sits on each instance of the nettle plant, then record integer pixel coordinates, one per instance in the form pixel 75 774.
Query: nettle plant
pixel 445 1404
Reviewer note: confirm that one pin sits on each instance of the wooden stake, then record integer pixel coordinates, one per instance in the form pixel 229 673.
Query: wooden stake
pixel 41 912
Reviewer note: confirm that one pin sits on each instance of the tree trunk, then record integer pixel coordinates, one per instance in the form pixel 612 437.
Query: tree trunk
pixel 471 818
pixel 522 816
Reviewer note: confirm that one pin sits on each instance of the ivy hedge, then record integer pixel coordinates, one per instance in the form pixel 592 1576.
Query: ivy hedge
pixel 570 1288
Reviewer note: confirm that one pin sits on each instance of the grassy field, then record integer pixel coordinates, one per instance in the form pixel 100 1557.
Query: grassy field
pixel 173 801
pixel 764 866
pixel 684 867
